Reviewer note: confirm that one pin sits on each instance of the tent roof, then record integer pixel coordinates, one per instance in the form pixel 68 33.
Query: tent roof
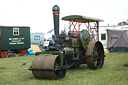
pixel 82 19
pixel 117 29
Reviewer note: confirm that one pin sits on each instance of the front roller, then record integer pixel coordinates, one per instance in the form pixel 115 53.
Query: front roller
pixel 47 67
pixel 95 53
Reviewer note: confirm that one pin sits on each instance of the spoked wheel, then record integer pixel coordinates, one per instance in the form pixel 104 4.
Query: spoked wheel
pixel 23 52
pixel 95 53
pixel 47 66
pixel 5 54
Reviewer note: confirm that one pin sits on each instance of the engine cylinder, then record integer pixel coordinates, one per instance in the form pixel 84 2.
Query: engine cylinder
pixel 68 51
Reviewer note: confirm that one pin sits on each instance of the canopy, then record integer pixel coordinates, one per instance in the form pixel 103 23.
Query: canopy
pixel 82 19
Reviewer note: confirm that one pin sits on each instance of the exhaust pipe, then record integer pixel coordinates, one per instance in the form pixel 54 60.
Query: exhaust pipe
pixel 56 13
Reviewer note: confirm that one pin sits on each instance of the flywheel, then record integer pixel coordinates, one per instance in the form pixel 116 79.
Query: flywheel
pixel 47 65
pixel 95 53
pixel 84 38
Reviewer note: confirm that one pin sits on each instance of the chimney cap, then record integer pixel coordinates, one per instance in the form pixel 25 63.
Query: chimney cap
pixel 56 8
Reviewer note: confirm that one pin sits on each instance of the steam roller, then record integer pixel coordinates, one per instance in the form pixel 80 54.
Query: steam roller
pixel 69 50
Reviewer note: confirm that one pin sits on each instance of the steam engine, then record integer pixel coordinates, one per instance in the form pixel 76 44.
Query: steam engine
pixel 69 51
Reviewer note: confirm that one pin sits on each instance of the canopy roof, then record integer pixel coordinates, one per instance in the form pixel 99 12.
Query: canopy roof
pixel 82 19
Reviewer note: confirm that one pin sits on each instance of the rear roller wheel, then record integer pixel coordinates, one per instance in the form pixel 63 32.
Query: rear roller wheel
pixel 47 62
pixel 95 53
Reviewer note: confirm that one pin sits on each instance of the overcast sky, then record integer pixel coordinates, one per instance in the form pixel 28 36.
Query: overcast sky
pixel 38 13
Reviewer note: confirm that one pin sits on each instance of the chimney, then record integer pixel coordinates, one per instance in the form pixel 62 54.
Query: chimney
pixel 56 13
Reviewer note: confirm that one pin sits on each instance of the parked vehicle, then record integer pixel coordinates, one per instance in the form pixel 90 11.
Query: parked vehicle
pixel 15 39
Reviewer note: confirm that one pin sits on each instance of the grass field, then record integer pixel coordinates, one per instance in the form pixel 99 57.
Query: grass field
pixel 12 72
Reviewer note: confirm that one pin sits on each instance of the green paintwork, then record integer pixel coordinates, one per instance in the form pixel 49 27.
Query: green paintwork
pixel 8 41
pixel 75 42
pixel 82 19
pixel 67 40
pixel 85 38
pixel 68 51
pixel 61 58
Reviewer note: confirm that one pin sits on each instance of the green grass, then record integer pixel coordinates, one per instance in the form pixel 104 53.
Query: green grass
pixel 12 72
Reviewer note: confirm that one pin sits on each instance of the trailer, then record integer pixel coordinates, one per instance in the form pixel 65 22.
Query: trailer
pixel 14 39
pixel 37 38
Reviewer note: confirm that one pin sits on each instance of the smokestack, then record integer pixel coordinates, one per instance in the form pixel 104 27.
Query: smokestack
pixel 56 13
